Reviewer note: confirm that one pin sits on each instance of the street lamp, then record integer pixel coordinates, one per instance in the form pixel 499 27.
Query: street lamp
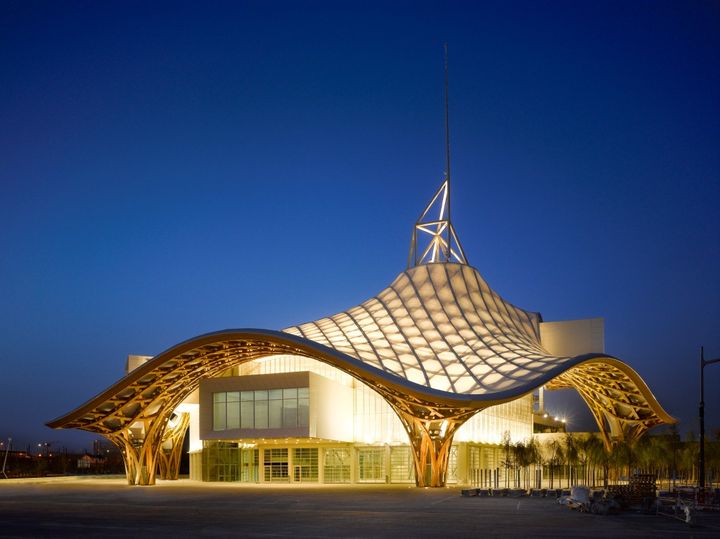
pixel 7 450
pixel 703 363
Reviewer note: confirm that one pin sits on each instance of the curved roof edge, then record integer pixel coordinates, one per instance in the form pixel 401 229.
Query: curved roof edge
pixel 288 343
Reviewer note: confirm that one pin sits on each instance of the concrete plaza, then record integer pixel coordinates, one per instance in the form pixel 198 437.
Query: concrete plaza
pixel 107 507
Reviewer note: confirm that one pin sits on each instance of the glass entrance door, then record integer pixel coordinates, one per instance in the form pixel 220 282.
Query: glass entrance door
pixel 305 464
pixel 275 462
pixel 249 465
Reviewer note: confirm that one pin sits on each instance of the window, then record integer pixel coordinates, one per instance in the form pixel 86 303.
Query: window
pixel 337 465
pixel 371 465
pixel 276 464
pixel 261 409
pixel 249 465
pixel 219 415
pixel 305 464
pixel 247 410
pixel 275 408
pixel 290 407
pixel 233 410
pixel 402 466
pixel 226 461
pixel 452 470
pixel 303 407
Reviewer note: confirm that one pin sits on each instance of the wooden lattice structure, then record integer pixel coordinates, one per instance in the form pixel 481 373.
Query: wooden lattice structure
pixel 171 446
pixel 616 397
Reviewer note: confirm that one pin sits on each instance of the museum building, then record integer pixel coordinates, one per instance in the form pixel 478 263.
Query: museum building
pixel 419 384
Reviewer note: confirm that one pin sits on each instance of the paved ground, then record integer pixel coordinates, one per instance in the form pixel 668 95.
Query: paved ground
pixel 110 508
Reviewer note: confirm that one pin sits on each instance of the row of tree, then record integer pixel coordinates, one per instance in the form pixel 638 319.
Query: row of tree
pixel 574 458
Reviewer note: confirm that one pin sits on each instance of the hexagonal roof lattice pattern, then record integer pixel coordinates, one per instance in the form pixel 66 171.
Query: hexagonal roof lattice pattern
pixel 440 325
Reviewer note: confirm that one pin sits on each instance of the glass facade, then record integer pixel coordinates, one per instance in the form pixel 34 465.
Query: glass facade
pixel 286 363
pixel 305 464
pixel 402 467
pixel 378 450
pixel 452 472
pixel 249 465
pixel 263 409
pixel 275 463
pixel 374 421
pixel 229 461
pixel 484 466
pixel 337 465
pixel 371 465
pixel 479 465
pixel 490 425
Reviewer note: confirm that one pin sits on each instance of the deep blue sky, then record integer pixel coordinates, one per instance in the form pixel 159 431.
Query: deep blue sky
pixel 169 169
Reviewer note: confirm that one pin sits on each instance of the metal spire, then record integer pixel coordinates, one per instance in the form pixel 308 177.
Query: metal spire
pixel 447 128
pixel 447 144
pixel 442 243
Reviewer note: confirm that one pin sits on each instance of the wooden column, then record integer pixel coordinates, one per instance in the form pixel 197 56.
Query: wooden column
pixel 171 446
pixel 431 440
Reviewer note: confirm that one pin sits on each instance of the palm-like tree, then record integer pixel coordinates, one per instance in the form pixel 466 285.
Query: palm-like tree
pixel 658 454
pixel 571 455
pixel 689 454
pixel 712 456
pixel 620 459
pixel 598 455
pixel 525 455
pixel 585 447
pixel 507 462
pixel 536 459
pixel 555 460
pixel 675 444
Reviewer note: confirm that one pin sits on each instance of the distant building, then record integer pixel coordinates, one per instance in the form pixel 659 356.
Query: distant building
pixel 88 463
pixel 418 384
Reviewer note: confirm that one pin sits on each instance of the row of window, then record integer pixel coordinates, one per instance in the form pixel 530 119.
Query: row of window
pixel 226 461
pixel 223 461
pixel 261 409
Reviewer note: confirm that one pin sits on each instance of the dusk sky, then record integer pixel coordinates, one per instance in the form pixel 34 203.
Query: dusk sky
pixel 169 169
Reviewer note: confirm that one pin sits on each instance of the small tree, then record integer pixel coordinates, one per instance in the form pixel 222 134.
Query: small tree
pixel 712 456
pixel 571 454
pixel 675 445
pixel 621 458
pixel 689 455
pixel 507 461
pixel 536 459
pixel 556 460
pixel 524 457
pixel 584 449
pixel 598 455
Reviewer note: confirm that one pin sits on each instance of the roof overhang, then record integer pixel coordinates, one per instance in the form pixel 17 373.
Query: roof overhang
pixel 172 375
